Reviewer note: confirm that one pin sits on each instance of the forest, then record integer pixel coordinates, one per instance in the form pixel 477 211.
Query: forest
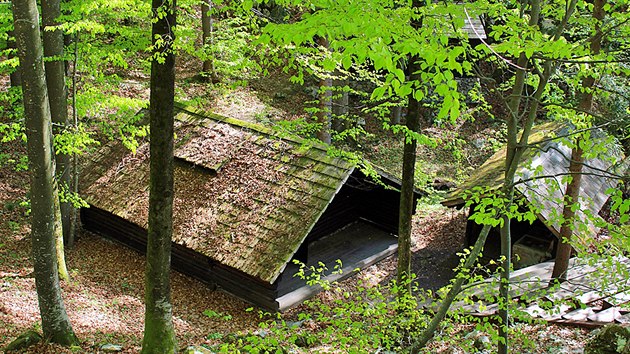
pixel 315 176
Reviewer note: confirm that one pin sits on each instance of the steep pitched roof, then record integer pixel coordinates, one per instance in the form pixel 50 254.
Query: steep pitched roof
pixel 542 170
pixel 243 196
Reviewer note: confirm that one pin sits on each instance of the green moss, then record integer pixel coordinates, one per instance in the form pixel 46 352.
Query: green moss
pixel 25 340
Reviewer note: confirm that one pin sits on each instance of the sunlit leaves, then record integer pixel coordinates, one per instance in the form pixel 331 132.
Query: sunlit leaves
pixel 381 35
pixel 75 141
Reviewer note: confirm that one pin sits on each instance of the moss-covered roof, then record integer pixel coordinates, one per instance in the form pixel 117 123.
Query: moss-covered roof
pixel 542 174
pixel 243 196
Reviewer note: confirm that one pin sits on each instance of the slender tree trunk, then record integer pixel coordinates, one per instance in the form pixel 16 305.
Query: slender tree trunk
pixel 513 156
pixel 15 77
pixel 159 336
pixel 405 216
pixel 515 151
pixel 571 196
pixel 427 334
pixel 55 323
pixel 324 114
pixel 58 97
pixel 406 190
pixel 572 192
pixel 206 38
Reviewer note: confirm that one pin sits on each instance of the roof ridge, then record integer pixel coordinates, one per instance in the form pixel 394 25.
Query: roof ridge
pixel 255 127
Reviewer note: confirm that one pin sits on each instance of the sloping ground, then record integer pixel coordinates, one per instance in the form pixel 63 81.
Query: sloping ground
pixel 104 298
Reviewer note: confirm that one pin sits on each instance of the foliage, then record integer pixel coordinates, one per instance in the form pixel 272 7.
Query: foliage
pixel 372 318
pixel 381 38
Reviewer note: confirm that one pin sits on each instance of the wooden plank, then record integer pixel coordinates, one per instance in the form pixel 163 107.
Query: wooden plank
pixel 579 314
pixel 540 271
pixel 608 315
pixel 535 311
pixel 480 309
pixel 528 280
pixel 624 319
pixel 590 285
pixel 555 312
pixel 620 298
pixel 531 283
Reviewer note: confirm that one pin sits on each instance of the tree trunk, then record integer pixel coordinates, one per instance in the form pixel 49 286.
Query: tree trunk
pixel 55 324
pixel 571 196
pixel 58 98
pixel 407 187
pixel 15 77
pixel 159 335
pixel 572 192
pixel 513 156
pixel 206 38
pixel 324 115
pixel 427 334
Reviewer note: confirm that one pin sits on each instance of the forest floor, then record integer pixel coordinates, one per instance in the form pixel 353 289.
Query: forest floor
pixel 104 297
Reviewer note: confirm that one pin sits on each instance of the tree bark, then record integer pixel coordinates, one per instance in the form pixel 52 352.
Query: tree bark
pixel 571 196
pixel 572 193
pixel 58 98
pixel 159 335
pixel 407 187
pixel 206 38
pixel 324 113
pixel 55 324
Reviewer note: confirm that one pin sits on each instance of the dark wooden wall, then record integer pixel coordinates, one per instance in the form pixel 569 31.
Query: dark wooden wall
pixel 183 259
pixel 359 198
pixel 518 229
pixel 381 206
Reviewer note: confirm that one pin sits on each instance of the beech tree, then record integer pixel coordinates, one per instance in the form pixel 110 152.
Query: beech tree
pixel 58 98
pixel 407 199
pixel 576 162
pixel 159 336
pixel 44 196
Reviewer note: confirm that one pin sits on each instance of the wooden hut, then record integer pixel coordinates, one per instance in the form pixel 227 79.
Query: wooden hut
pixel 540 181
pixel 246 204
